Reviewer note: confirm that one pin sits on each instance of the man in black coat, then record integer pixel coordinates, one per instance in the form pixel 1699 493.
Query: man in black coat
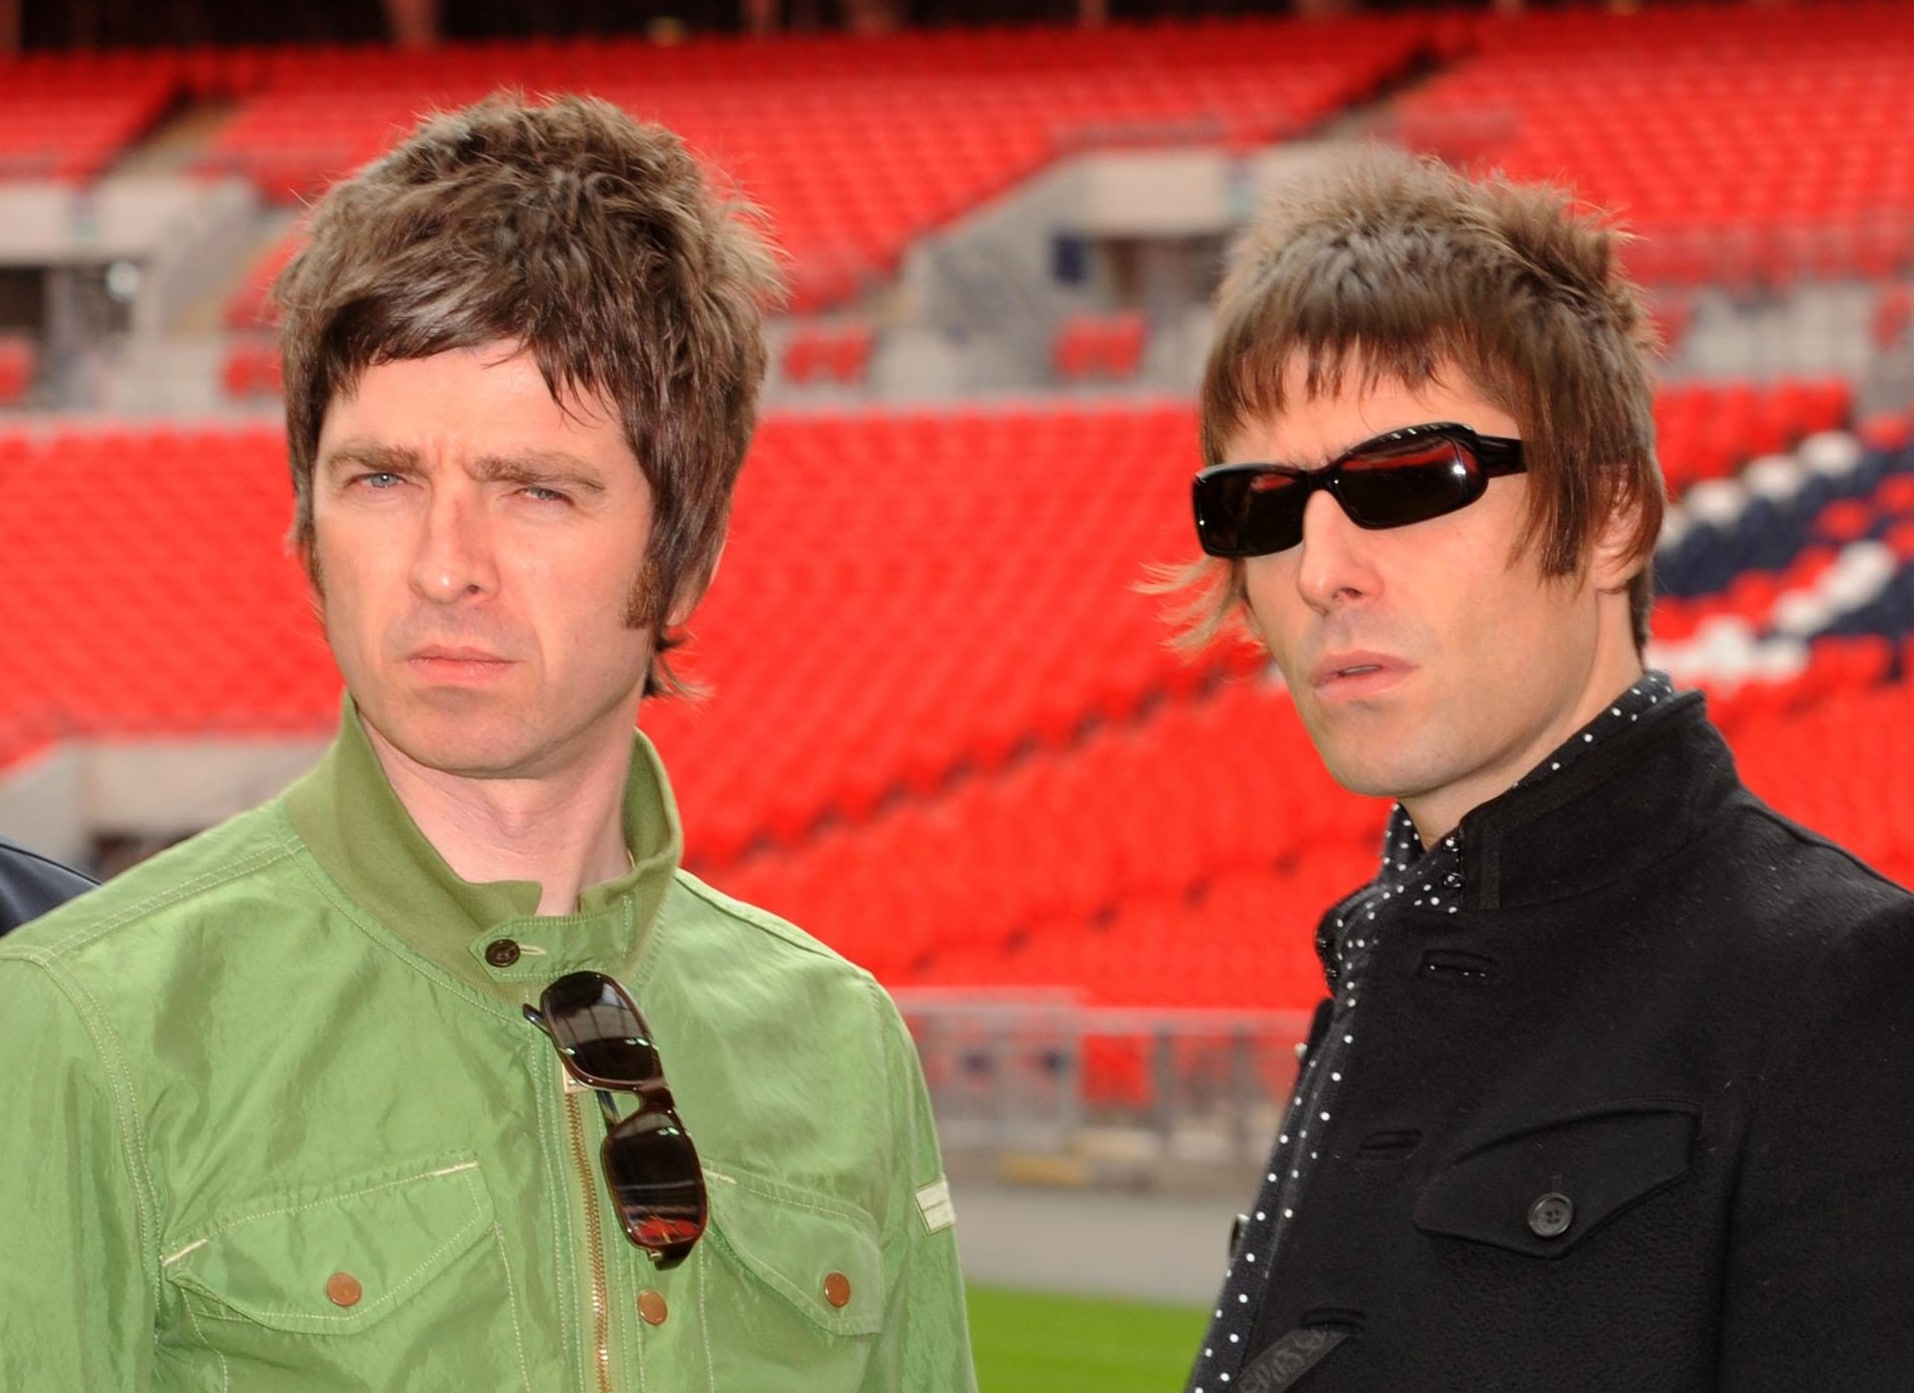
pixel 31 884
pixel 1614 1085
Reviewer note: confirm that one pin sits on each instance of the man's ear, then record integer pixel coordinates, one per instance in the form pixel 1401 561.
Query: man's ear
pixel 688 599
pixel 1615 560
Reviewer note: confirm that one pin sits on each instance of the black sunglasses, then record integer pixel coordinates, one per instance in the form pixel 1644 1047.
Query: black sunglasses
pixel 1400 477
pixel 651 1167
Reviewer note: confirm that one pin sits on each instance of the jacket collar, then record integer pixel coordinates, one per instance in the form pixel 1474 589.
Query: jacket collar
pixel 346 813
pixel 1630 801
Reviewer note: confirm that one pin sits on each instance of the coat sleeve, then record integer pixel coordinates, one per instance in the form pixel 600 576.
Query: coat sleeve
pixel 1821 1240
pixel 924 1346
pixel 76 1300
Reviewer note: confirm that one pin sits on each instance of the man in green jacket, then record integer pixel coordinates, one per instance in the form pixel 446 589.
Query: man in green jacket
pixel 436 1072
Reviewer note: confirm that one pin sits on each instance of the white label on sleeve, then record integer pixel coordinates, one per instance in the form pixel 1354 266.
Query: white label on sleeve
pixel 933 1202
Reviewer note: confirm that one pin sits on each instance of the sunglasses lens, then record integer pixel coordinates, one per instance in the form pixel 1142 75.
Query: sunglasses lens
pixel 599 1030
pixel 652 1171
pixel 1249 512
pixel 1409 482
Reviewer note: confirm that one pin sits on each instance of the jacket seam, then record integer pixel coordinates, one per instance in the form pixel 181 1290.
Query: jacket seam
pixel 511 1295
pixel 281 1210
pixel 901 1212
pixel 199 1333
pixel 132 1137
pixel 84 935
pixel 1808 837
pixel 769 923
pixel 558 1195
pixel 704 1328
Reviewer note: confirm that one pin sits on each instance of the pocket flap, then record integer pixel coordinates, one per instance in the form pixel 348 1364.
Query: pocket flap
pixel 1544 1190
pixel 820 1254
pixel 337 1259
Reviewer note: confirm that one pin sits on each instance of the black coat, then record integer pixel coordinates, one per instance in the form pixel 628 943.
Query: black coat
pixel 30 885
pixel 1639 1118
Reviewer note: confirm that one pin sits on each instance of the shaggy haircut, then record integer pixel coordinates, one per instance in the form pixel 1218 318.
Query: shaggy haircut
pixel 1393 267
pixel 592 241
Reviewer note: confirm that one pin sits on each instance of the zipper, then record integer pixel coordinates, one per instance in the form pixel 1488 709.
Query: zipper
pixel 595 1237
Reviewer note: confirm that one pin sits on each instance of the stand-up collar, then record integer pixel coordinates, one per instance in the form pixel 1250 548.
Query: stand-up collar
pixel 1627 803
pixel 487 934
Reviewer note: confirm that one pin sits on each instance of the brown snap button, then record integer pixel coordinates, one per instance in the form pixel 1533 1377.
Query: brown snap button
pixel 501 952
pixel 837 1289
pixel 343 1289
pixel 651 1307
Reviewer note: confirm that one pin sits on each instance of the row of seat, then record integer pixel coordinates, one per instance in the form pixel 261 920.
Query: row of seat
pixel 1742 149
pixel 251 367
pixel 854 158
pixel 1218 783
pixel 914 594
pixel 1099 346
pixel 1708 430
pixel 851 167
pixel 837 351
pixel 944 731
pixel 19 360
pixel 72 134
pixel 1242 935
pixel 1776 510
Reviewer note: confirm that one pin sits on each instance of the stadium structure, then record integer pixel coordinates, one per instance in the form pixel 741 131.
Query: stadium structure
pixel 946 734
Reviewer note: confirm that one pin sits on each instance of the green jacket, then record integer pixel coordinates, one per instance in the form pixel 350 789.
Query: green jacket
pixel 281 1052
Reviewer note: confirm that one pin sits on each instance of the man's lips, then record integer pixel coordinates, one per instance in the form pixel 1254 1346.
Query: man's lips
pixel 1356 673
pixel 449 661
pixel 460 655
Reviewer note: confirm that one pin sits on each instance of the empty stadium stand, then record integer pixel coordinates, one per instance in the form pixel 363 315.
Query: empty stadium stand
pixel 944 732
pixel 1745 147
pixel 68 120
pixel 853 149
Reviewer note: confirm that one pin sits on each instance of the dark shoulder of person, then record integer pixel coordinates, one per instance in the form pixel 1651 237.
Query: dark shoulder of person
pixel 31 884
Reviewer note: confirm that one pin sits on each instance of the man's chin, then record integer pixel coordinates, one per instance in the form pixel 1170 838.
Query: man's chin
pixel 1359 770
pixel 464 744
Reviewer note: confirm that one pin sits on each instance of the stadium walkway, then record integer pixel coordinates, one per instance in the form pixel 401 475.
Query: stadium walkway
pixel 1147 1246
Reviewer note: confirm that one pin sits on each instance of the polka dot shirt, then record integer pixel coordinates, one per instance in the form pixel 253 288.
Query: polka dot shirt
pixel 1427 879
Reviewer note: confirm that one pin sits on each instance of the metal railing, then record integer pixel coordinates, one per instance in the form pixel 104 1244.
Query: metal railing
pixel 1039 1073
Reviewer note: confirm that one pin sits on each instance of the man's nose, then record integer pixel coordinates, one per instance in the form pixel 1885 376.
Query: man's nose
pixel 1333 566
pixel 454 559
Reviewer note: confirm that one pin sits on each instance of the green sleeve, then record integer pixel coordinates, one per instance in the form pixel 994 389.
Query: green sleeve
pixel 76 1292
pixel 925 1343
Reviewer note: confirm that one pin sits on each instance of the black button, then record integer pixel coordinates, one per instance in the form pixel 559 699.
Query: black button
pixel 1550 1216
pixel 501 952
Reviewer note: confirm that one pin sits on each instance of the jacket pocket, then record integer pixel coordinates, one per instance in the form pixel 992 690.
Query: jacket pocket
pixel 1545 1190
pixel 364 1282
pixel 820 1256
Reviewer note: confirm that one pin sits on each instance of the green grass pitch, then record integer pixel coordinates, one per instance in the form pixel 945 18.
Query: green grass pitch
pixel 1038 1342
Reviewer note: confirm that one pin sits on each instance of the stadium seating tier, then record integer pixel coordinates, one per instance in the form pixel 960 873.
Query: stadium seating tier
pixel 944 730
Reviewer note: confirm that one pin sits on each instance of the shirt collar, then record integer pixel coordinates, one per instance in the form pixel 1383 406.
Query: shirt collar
pixel 1405 864
pixel 487 934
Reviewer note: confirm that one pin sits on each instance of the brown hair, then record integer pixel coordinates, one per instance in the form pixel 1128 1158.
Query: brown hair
pixel 1397 267
pixel 590 239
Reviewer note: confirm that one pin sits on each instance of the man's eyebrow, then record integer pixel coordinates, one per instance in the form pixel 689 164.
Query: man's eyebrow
pixel 545 467
pixel 370 454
